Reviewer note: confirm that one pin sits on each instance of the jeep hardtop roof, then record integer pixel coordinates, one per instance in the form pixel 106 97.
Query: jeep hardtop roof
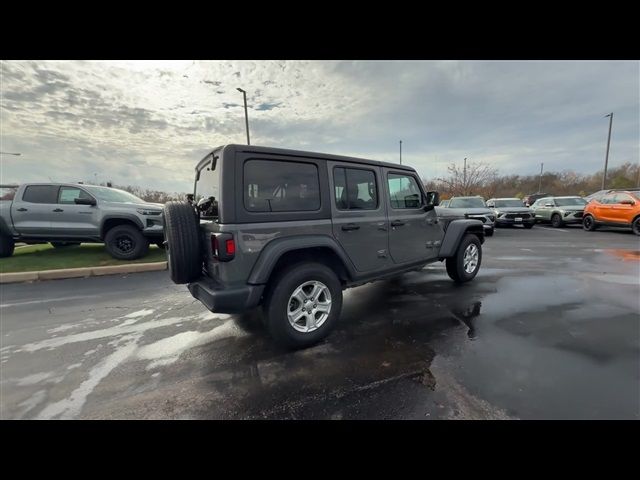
pixel 298 153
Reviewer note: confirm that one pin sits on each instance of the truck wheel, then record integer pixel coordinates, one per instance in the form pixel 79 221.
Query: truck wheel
pixel 6 246
pixel 303 305
pixel 182 236
pixel 556 221
pixel 126 242
pixel 588 223
pixel 64 244
pixel 464 265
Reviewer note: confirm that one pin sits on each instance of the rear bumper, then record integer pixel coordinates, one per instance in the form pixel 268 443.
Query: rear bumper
pixel 220 299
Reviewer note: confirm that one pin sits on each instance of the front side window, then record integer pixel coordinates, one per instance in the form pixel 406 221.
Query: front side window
pixel 355 189
pixel 278 186
pixel 41 194
pixel 404 191
pixel 69 195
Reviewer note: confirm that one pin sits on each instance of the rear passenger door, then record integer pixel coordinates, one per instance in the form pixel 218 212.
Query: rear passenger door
pixel 359 215
pixel 414 234
pixel 32 213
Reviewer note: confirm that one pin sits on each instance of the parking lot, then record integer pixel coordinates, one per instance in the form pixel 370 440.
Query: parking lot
pixel 549 329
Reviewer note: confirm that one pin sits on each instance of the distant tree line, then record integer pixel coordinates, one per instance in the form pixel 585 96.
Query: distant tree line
pixel 147 194
pixel 484 180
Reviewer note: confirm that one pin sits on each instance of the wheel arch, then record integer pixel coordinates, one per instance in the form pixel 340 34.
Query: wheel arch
pixel 278 254
pixel 110 221
pixel 456 230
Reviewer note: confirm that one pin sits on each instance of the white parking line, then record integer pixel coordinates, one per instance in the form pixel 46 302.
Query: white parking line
pixel 48 300
pixel 555 229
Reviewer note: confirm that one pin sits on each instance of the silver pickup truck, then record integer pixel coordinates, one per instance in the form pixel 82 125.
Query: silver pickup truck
pixel 67 214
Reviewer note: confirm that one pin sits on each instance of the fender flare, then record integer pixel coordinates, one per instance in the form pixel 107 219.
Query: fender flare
pixel 274 250
pixel 120 216
pixel 455 231
pixel 4 228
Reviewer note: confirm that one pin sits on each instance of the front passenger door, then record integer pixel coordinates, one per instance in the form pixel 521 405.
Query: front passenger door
pixel 414 234
pixel 71 220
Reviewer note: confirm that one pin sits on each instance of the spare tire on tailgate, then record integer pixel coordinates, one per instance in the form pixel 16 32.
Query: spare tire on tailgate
pixel 182 236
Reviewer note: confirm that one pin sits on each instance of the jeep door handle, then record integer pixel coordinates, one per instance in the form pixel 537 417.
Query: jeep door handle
pixel 397 223
pixel 58 210
pixel 351 226
pixel 23 209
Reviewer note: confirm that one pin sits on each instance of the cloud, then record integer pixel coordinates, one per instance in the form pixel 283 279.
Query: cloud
pixel 148 123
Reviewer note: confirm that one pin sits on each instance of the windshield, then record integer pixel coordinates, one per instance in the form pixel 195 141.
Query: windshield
pixel 508 203
pixel 472 202
pixel 567 202
pixel 113 194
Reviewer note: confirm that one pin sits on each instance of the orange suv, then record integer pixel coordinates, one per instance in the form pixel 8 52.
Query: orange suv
pixel 616 208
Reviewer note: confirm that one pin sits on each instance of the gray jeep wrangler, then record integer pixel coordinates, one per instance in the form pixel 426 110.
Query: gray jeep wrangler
pixel 289 230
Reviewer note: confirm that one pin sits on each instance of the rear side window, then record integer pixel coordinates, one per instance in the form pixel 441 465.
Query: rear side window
pixel 277 186
pixel 69 194
pixel 40 194
pixel 404 191
pixel 355 189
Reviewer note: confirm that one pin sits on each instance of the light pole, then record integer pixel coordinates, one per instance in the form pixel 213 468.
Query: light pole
pixel 540 182
pixel 464 177
pixel 606 158
pixel 9 153
pixel 400 152
pixel 246 115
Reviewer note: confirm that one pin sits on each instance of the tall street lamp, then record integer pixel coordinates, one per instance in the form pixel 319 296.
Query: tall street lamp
pixel 246 114
pixel 400 152
pixel 606 158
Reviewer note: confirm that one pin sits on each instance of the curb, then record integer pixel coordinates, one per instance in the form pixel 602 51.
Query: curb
pixel 81 272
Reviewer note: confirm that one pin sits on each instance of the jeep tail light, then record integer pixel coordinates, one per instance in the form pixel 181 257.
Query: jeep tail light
pixel 223 247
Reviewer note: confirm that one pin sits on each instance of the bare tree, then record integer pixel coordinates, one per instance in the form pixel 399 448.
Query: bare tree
pixel 478 178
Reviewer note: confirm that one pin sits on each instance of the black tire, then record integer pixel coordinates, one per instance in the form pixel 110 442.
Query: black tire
pixel 126 242
pixel 588 223
pixel 529 226
pixel 276 305
pixel 635 226
pixel 489 233
pixel 64 244
pixel 7 244
pixel 182 236
pixel 455 264
pixel 556 220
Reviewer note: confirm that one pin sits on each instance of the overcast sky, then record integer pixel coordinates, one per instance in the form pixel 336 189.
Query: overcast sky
pixel 147 123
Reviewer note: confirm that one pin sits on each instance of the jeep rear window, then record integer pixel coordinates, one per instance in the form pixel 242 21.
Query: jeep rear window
pixel 208 181
pixel 277 186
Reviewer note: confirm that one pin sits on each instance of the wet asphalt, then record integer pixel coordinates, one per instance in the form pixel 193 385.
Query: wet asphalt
pixel 549 329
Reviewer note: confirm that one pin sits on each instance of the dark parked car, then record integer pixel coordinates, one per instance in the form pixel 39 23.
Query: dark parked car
pixel 289 230
pixel 529 200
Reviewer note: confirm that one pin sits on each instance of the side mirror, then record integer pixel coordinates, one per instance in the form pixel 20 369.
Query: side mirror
pixel 433 199
pixel 85 201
